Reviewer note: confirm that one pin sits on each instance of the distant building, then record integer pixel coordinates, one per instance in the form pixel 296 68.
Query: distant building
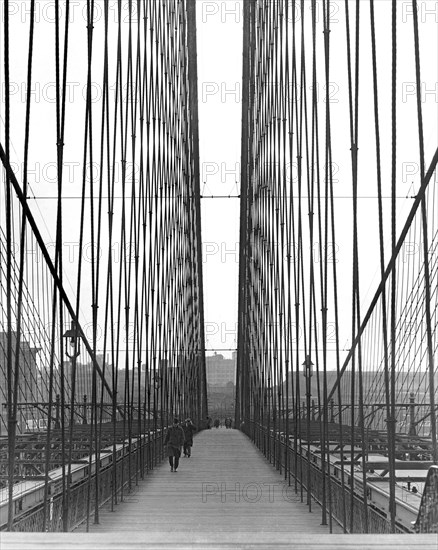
pixel 220 371
pixel 84 376
pixel 29 381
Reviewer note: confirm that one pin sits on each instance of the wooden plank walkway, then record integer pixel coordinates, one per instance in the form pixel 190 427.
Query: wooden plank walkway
pixel 226 496
pixel 226 485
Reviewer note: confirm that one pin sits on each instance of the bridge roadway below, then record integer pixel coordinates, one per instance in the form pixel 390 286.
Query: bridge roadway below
pixel 225 496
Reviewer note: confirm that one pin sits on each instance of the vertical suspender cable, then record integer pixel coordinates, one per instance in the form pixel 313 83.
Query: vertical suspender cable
pixel 426 268
pixel 392 420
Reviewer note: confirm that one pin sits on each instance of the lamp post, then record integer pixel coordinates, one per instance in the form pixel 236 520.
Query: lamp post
pixel 270 416
pixel 308 372
pixel 412 424
pixel 157 380
pixel 72 337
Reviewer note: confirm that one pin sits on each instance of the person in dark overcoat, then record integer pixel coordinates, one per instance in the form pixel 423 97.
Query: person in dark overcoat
pixel 174 440
pixel 188 428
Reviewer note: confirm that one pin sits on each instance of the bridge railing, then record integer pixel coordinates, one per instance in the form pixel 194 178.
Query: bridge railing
pixel 117 472
pixel 352 513
pixel 427 521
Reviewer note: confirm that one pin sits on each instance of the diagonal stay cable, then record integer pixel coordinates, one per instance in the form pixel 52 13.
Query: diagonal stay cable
pixel 53 271
pixel 388 270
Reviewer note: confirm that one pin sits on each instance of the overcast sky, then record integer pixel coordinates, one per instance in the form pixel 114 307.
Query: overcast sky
pixel 220 75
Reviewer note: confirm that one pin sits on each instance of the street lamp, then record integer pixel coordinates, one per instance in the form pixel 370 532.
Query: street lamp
pixel 308 372
pixel 308 367
pixel 156 383
pixel 72 338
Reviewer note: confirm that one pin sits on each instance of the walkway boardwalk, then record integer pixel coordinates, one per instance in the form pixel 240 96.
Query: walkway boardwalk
pixel 226 485
pixel 225 497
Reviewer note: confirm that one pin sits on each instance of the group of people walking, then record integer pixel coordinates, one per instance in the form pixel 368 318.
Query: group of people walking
pixel 217 423
pixel 181 436
pixel 176 437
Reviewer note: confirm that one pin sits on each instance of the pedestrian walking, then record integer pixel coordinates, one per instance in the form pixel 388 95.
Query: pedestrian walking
pixel 217 423
pixel 188 428
pixel 174 440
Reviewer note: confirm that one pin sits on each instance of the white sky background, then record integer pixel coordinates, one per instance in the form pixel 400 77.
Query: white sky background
pixel 219 26
pixel 219 79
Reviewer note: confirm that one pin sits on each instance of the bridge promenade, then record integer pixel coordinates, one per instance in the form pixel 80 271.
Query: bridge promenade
pixel 226 495
pixel 226 486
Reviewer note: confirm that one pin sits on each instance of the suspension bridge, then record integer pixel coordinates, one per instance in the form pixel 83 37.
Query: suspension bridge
pixel 102 343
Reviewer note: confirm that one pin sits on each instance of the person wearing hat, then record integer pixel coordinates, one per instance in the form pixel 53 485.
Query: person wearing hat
pixel 174 440
pixel 188 428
